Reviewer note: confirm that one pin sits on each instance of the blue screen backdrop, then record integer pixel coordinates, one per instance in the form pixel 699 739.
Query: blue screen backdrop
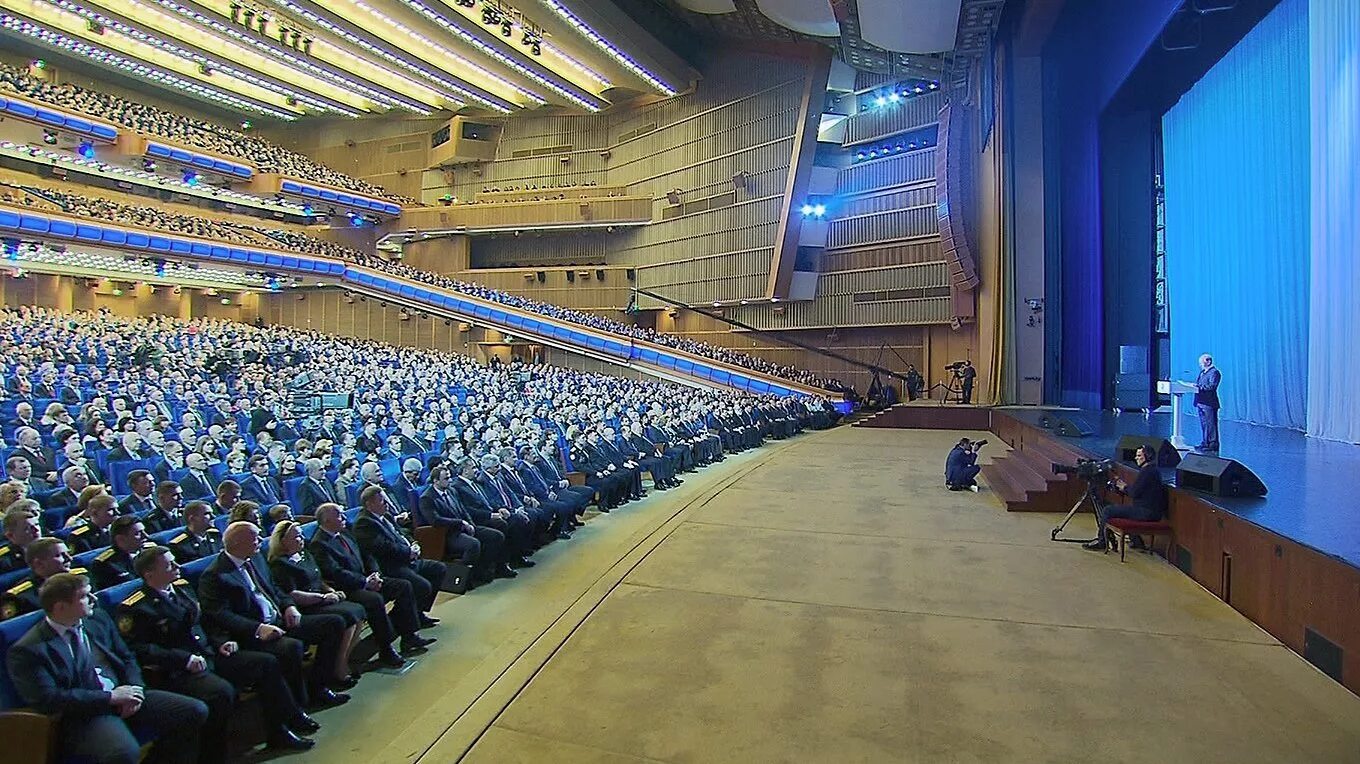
pixel 1236 157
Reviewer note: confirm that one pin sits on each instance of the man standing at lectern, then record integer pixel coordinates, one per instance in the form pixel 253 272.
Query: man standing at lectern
pixel 1206 402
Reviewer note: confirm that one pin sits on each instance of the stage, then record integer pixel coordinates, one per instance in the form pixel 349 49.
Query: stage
pixel 1289 561
pixel 1309 500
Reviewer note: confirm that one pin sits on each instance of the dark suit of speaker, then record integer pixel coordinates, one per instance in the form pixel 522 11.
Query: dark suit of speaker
pixel 1218 476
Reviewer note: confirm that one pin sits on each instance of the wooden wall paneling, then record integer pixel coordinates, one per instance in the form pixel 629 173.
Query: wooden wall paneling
pixel 1255 586
pixel 1199 530
pixel 1324 594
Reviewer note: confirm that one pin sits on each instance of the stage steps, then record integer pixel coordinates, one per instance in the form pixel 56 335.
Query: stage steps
pixel 1024 481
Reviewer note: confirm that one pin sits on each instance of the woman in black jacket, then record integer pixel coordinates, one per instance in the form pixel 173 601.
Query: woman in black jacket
pixel 294 570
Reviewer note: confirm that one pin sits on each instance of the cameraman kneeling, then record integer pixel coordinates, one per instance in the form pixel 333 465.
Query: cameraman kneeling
pixel 1148 494
pixel 960 468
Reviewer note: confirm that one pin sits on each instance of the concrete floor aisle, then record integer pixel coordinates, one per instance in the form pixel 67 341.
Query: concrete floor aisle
pixel 826 600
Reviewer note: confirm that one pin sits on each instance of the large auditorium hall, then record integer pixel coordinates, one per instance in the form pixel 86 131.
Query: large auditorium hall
pixel 496 381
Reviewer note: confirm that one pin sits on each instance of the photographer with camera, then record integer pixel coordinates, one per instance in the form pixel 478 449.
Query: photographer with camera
pixel 960 467
pixel 1148 494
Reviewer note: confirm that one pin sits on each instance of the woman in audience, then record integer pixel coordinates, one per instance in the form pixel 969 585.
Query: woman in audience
pixel 295 571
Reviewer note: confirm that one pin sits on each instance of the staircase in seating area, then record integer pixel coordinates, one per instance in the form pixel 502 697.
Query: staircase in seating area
pixel 1023 478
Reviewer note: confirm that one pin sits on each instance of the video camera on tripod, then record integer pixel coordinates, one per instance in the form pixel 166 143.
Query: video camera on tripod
pixel 1096 474
pixel 1090 470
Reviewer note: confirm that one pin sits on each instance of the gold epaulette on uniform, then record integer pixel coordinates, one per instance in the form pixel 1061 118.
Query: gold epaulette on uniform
pixel 134 598
pixel 180 539
pixel 106 554
pixel 20 587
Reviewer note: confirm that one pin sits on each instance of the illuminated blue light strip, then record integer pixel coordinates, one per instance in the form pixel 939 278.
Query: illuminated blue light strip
pixel 294 61
pixel 462 94
pixel 618 55
pixel 438 18
pixel 135 68
pixel 197 58
pixel 22 109
pixel 32 222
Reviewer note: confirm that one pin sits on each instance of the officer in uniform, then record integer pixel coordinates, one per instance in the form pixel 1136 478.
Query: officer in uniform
pixel 168 512
pixel 94 532
pixel 160 622
pixel 200 538
pixel 113 566
pixel 21 529
pixel 46 557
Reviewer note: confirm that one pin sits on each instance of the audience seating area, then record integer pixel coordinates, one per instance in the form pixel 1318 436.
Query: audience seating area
pixel 267 157
pixel 112 396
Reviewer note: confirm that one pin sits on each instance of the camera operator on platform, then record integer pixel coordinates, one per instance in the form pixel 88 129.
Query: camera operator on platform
pixel 960 467
pixel 967 374
pixel 1148 494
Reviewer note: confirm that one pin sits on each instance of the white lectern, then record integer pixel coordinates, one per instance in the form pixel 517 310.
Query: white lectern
pixel 1177 390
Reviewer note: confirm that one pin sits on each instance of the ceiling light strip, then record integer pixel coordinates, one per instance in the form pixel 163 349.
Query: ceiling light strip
pixel 464 94
pixel 438 18
pixel 290 59
pixel 197 58
pixel 136 68
pixel 618 55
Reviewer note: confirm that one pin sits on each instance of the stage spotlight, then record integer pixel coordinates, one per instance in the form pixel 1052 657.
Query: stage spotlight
pixel 860 155
pixel 819 210
pixel 807 210
pixel 880 101
pixel 894 98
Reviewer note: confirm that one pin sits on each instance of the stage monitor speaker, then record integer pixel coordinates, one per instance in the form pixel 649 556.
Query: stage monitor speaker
pixel 1047 419
pixel 599 274
pixel 1218 476
pixel 1166 454
pixel 1071 425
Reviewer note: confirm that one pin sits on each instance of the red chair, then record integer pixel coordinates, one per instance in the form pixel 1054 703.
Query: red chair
pixel 1124 528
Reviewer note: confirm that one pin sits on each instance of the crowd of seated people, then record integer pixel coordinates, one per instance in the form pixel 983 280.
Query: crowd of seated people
pixel 157 466
pixel 539 187
pixel 266 156
pixel 241 233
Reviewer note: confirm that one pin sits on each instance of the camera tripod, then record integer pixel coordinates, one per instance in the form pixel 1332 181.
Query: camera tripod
pixel 952 387
pixel 1091 497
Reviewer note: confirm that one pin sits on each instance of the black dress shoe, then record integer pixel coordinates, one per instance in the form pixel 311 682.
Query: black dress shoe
pixel 413 642
pixel 284 739
pixel 1095 545
pixel 326 698
pixel 304 724
pixel 563 536
pixel 505 571
pixel 428 622
pixel 348 683
pixel 522 562
pixel 390 659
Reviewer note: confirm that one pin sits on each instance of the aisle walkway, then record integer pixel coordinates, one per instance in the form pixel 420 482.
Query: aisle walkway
pixel 826 600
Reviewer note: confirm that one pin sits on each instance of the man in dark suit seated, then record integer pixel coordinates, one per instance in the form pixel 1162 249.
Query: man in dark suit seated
pixel 113 566
pixel 345 567
pixel 316 489
pixel 130 448
pixel 142 487
pixel 200 538
pixel 74 663
pixel 546 493
pixel 396 555
pixel 473 497
pixel 960 467
pixel 160 621
pixel 41 461
pixel 198 484
pixel 18 469
pixel 73 480
pixel 478 548
pixel 259 487
pixel 240 603
pixel 1148 493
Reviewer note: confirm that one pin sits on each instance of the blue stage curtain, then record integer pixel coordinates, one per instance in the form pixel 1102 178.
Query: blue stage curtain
pixel 1236 151
pixel 1333 363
